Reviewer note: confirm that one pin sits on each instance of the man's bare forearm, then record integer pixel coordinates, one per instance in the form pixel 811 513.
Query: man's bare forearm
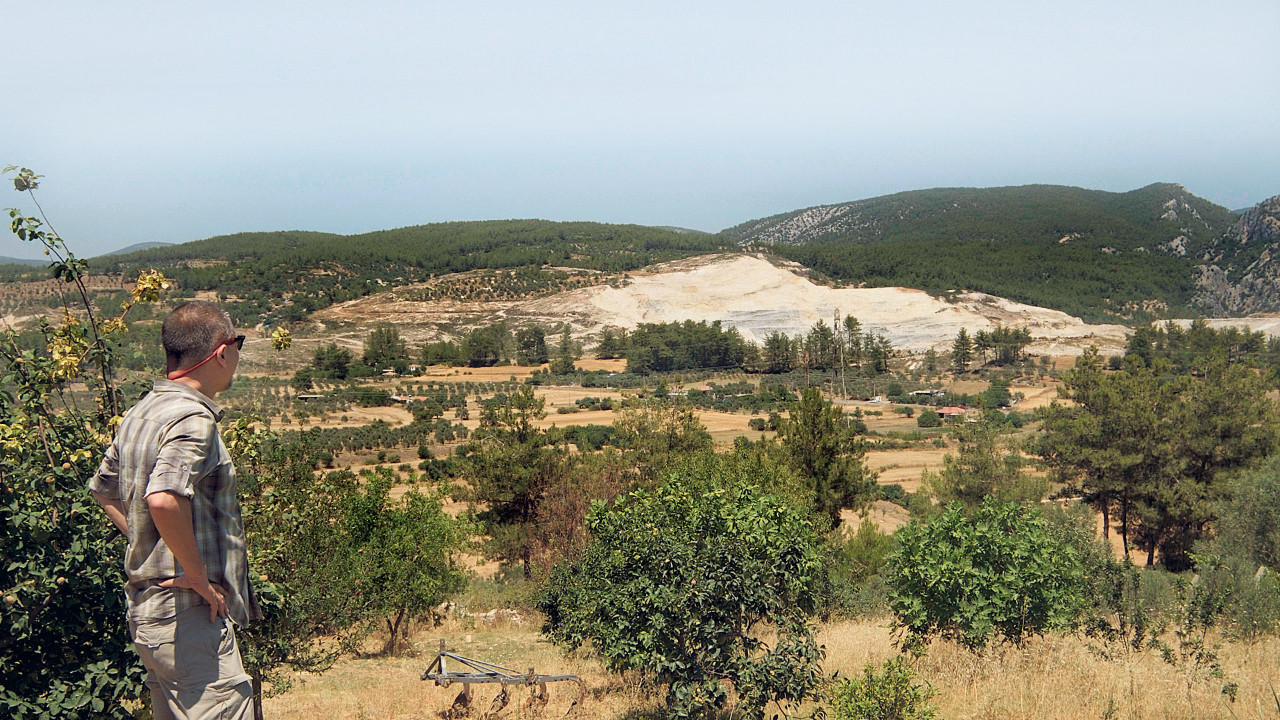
pixel 172 516
pixel 114 508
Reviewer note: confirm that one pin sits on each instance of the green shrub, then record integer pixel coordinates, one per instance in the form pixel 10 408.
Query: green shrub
pixel 984 466
pixel 929 419
pixel 854 571
pixel 325 458
pixel 680 583
pixel 1245 556
pixel 891 694
pixel 999 573
pixel 894 493
pixel 1248 519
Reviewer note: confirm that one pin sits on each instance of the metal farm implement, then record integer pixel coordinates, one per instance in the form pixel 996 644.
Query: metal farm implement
pixel 479 671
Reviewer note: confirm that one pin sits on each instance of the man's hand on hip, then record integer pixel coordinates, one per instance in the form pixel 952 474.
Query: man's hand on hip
pixel 172 515
pixel 211 592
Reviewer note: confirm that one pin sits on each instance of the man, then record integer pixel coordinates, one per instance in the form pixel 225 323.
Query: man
pixel 167 482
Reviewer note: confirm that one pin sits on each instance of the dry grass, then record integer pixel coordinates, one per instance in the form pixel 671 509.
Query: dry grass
pixel 386 687
pixel 905 467
pixel 1054 677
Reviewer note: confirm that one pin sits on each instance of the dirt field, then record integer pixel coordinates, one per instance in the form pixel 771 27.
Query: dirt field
pixel 905 466
pixel 357 416
pixel 1035 397
pixel 724 427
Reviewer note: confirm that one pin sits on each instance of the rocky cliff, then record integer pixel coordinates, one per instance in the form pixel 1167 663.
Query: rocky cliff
pixel 1240 272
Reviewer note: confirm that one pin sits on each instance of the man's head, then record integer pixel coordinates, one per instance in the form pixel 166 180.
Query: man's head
pixel 198 340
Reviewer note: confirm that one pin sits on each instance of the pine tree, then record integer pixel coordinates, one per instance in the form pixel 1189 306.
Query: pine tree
pixel 826 452
pixel 565 355
pixel 961 351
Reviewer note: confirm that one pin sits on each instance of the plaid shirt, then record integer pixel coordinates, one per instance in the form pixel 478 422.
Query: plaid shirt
pixel 169 442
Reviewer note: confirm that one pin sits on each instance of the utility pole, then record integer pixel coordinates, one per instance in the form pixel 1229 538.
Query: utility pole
pixel 835 323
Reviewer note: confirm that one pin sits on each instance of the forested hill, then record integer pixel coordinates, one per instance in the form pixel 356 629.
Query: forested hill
pixel 1099 255
pixel 315 269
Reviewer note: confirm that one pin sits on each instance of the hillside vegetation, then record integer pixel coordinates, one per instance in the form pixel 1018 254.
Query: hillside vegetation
pixel 1095 254
pixel 313 270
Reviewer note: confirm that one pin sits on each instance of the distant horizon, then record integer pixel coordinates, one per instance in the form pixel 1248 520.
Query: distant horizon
pixel 37 255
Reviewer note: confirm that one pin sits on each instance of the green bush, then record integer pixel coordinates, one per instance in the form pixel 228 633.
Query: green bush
pixel 681 582
pixel 891 694
pixel 856 564
pixel 984 466
pixel 929 419
pixel 999 573
pixel 1245 556
pixel 407 548
pixel 1248 519
pixel 894 493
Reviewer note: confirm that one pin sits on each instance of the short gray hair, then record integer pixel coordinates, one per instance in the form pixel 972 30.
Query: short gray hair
pixel 192 331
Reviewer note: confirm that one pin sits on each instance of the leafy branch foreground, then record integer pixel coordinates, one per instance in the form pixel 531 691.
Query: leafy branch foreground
pixel 64 647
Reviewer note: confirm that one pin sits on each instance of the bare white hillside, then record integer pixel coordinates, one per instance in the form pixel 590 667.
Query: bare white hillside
pixel 760 298
pixel 747 292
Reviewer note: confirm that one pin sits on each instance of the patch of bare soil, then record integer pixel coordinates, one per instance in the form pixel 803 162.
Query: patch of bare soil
pixel 497 373
pixel 887 517
pixel 1035 397
pixel 563 396
pixel 592 364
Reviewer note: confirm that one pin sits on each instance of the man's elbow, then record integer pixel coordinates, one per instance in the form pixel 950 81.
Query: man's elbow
pixel 162 502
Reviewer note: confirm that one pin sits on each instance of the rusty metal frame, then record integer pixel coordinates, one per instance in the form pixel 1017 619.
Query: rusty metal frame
pixel 479 671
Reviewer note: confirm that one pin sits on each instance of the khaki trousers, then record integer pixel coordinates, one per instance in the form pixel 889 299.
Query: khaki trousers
pixel 193 667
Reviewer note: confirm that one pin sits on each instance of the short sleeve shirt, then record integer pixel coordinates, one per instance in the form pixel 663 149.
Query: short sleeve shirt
pixel 169 442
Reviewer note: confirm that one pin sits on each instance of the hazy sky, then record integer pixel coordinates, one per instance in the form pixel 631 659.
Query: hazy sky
pixel 157 121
